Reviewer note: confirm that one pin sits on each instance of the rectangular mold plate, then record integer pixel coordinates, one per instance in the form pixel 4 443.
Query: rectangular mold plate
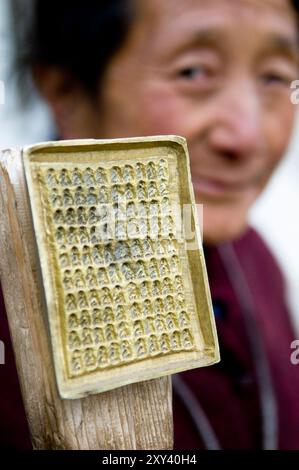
pixel 127 297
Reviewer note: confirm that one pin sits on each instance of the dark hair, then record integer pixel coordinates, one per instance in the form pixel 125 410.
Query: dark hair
pixel 77 35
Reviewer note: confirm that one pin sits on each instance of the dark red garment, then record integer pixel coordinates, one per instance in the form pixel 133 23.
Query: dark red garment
pixel 227 392
pixel 14 433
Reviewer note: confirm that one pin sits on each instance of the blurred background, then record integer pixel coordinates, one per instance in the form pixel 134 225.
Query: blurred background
pixel 275 216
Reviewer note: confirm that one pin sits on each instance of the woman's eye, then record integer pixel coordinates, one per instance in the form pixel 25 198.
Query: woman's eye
pixel 191 72
pixel 275 79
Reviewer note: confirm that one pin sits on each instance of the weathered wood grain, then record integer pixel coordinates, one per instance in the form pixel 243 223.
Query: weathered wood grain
pixel 137 416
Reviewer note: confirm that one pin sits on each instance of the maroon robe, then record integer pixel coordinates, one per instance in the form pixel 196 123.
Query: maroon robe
pixel 14 433
pixel 227 392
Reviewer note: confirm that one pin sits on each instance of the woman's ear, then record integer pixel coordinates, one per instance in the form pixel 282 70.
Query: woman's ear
pixel 74 111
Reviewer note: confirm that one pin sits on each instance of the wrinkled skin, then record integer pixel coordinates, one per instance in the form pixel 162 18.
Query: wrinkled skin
pixel 217 73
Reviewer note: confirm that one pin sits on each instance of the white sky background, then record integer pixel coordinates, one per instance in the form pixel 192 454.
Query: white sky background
pixel 276 215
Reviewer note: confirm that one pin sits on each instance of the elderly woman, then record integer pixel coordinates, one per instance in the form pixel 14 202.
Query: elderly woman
pixel 217 73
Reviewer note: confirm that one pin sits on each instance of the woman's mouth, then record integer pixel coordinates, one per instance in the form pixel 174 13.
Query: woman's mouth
pixel 219 188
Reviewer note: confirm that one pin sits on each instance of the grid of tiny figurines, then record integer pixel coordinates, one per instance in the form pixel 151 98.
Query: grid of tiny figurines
pixel 120 272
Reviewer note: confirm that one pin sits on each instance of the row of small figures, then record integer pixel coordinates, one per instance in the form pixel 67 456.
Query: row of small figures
pixel 125 351
pixel 116 272
pixel 97 278
pixel 103 298
pixel 116 228
pixel 80 196
pixel 120 210
pixel 106 253
pixel 105 176
pixel 110 316
pixel 124 330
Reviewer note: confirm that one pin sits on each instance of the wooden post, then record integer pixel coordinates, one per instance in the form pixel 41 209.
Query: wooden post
pixel 137 416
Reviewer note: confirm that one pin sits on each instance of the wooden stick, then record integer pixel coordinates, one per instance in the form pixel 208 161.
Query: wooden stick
pixel 137 416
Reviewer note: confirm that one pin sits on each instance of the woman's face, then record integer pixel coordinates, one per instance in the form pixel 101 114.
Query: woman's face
pixel 217 73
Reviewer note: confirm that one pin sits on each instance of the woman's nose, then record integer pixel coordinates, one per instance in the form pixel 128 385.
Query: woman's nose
pixel 237 131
